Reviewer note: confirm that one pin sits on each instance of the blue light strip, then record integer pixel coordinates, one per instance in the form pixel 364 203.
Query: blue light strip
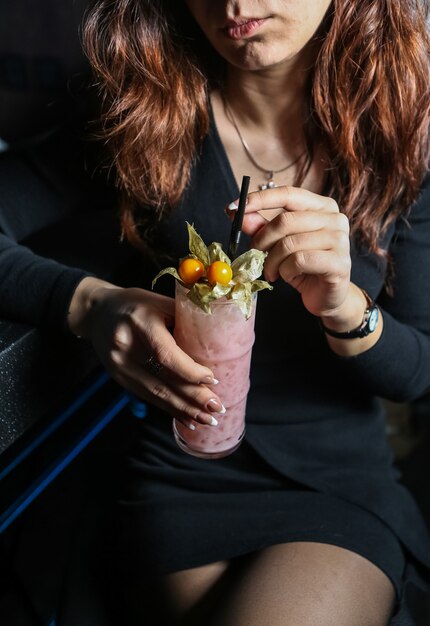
pixel 45 479
pixel 56 423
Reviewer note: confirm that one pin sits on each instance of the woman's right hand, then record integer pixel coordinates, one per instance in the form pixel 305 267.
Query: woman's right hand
pixel 129 326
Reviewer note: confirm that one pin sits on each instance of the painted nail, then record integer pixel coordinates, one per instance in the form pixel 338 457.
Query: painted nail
pixel 215 406
pixel 208 380
pixel 190 425
pixel 233 206
pixel 122 336
pixel 207 420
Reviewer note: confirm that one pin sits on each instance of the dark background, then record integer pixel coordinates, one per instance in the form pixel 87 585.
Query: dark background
pixel 57 198
pixel 40 63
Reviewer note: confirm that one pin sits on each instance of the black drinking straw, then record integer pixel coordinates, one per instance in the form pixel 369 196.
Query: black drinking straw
pixel 236 227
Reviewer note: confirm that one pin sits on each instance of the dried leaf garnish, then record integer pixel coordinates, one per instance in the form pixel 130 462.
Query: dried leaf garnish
pixel 216 253
pixel 247 269
pixel 242 296
pixel 202 294
pixel 167 270
pixel 197 246
pixel 249 265
pixel 258 285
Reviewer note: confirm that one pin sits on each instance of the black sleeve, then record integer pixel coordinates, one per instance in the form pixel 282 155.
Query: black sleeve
pixel 33 289
pixel 397 367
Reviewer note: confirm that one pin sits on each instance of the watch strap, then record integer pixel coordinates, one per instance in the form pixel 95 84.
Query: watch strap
pixel 364 329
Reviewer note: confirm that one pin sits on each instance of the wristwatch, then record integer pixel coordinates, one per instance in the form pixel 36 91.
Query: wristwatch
pixel 367 326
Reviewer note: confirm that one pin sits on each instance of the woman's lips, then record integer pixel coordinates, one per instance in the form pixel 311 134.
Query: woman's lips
pixel 242 28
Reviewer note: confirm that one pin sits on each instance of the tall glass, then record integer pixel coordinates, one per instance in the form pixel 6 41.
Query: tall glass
pixel 223 342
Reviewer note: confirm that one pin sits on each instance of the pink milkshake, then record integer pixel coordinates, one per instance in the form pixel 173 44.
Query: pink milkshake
pixel 223 342
pixel 215 314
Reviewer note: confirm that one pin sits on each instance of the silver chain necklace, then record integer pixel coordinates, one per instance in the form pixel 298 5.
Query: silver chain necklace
pixel 270 183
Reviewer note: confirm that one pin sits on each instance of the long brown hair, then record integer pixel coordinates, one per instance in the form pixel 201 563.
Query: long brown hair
pixel 369 104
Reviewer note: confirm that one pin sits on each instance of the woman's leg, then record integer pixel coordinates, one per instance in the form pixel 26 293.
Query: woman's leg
pixel 185 597
pixel 292 584
pixel 310 584
pixel 191 588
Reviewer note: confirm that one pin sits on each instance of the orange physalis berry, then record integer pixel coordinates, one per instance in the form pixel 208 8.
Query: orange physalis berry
pixel 219 272
pixel 190 270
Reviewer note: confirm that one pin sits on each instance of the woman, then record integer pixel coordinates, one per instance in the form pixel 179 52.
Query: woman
pixel 326 106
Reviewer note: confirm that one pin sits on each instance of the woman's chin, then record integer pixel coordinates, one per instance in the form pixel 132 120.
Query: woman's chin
pixel 259 55
pixel 259 60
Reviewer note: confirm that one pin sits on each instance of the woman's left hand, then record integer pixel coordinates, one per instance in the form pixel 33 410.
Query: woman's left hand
pixel 307 243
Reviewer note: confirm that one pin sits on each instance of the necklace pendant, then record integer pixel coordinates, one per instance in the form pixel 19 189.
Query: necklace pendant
pixel 270 182
pixel 269 185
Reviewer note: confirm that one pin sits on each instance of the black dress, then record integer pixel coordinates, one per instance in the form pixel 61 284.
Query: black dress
pixel 315 464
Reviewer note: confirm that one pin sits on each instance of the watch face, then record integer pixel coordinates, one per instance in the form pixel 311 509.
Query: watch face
pixel 373 319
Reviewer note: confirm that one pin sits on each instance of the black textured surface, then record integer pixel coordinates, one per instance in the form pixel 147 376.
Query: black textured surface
pixel 37 370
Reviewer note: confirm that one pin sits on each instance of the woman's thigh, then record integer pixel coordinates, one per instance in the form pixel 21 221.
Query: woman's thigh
pixel 291 584
pixel 310 584
pixel 187 589
pixel 184 597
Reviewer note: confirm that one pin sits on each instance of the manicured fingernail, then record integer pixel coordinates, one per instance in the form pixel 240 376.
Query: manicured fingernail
pixel 207 420
pixel 208 380
pixel 190 425
pixel 122 336
pixel 215 406
pixel 233 206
